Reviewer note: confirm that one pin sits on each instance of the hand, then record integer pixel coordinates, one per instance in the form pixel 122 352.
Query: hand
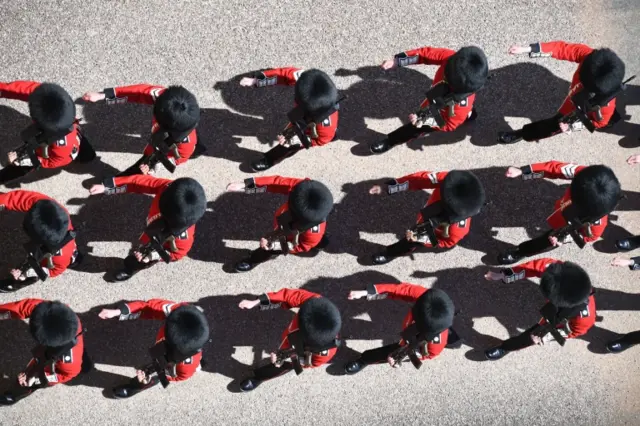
pixel 357 294
pixel 519 50
pixel 375 190
pixel 96 189
pixel 634 159
pixel 17 275
pixel 281 140
pixel 22 379
pixel 413 119
pixel 388 64
pixel 248 81
pixel 93 97
pixel 274 357
pixel 264 244
pixel 144 168
pixel 564 127
pixel 109 313
pixel 12 156
pixel 140 257
pixel 142 378
pixel 392 362
pixel 621 261
pixel 513 172
pixel 555 242
pixel 236 187
pixel 493 276
pixel 248 304
pixel 537 340
pixel 410 236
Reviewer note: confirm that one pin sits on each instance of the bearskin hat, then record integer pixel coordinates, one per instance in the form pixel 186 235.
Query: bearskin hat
pixel 310 202
pixel 186 330
pixel 565 284
pixel 462 194
pixel 319 322
pixel 467 70
pixel 595 191
pixel 52 109
pixel 183 203
pixel 46 222
pixel 53 324
pixel 177 110
pixel 602 72
pixel 433 312
pixel 315 92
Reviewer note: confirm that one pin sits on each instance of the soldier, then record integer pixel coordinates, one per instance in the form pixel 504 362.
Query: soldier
pixel 426 327
pixel 52 247
pixel 449 102
pixel 59 355
pixel 176 115
pixel 54 139
pixel 446 217
pixel 171 222
pixel 315 112
pixel 570 310
pixel 600 73
pixel 178 343
pixel 310 340
pixel 299 224
pixel 582 212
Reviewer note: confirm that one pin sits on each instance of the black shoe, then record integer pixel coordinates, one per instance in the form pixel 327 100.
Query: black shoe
pixel 618 346
pixel 261 165
pixel 122 276
pixel 354 367
pixel 125 391
pixel 248 385
pixel 508 258
pixel 243 266
pixel 495 353
pixel 380 147
pixel 381 259
pixel 509 137
pixel 626 244
pixel 7 399
pixel 10 287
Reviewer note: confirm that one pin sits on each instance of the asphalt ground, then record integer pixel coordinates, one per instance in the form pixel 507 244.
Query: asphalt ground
pixel 205 46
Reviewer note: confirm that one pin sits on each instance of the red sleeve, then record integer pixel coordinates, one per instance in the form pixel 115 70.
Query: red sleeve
pixel 185 370
pixel 533 268
pixel 434 349
pixel 456 234
pixel 309 239
pixel 404 291
pixel 318 360
pixel 21 309
pixel 286 298
pixel 140 184
pixel 326 130
pixel 423 180
pixel 19 90
pixel 68 370
pixel 606 112
pixel 596 230
pixel 139 93
pixel 565 51
pixel 20 200
pixel 156 309
pixel 557 169
pixel 431 55
pixel 284 76
pixel 277 184
pixel 580 324
pixel 182 244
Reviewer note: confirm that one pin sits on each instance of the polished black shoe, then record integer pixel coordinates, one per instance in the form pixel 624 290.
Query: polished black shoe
pixel 7 399
pixel 618 346
pixel 354 367
pixel 10 287
pixel 508 137
pixel 495 354
pixel 381 146
pixel 508 258
pixel 243 266
pixel 122 276
pixel 261 165
pixel 124 391
pixel 626 244
pixel 381 259
pixel 248 385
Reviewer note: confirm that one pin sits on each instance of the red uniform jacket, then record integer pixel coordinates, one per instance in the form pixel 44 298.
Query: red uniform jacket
pixel 284 185
pixel 409 293
pixel 288 77
pixel 448 236
pixel 147 94
pixel 22 201
pixel 559 170
pixel 159 309
pixel 574 53
pixel 437 56
pixel 63 151
pixel 144 184
pixel 70 364
pixel 288 298
pixel 580 324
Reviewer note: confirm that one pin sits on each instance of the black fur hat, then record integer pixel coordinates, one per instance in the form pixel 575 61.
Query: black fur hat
pixel 315 92
pixel 46 223
pixel 53 324
pixel 602 72
pixel 310 202
pixel 467 70
pixel 433 312
pixel 595 191
pixel 186 330
pixel 462 194
pixel 319 322
pixel 565 284
pixel 183 203
pixel 177 110
pixel 52 109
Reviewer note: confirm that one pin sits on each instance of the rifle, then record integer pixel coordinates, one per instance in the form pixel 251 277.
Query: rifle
pixel 159 364
pixel 414 341
pixel 44 357
pixel 299 124
pixel 158 235
pixel 36 253
pixel 299 351
pixel 286 227
pixel 432 217
pixel 573 226
pixel 163 145
pixel 553 317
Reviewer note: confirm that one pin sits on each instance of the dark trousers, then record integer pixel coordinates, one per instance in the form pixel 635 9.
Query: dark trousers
pixel 536 245
pixel 12 172
pixel 402 247
pixel 632 338
pixel 406 133
pixel 132 266
pixel 541 129
pixel 380 355
pixel 270 371
pixel 518 342
pixel 134 169
pixel 281 152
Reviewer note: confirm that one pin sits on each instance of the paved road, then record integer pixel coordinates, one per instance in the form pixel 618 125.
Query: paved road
pixel 204 45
